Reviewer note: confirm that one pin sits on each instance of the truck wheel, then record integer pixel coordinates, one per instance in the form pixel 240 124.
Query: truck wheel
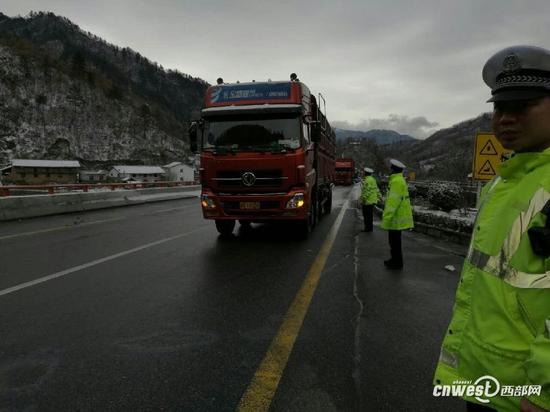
pixel 306 226
pixel 328 204
pixel 315 211
pixel 245 227
pixel 245 223
pixel 225 227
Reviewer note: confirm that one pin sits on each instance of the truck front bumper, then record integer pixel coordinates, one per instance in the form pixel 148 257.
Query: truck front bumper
pixel 255 207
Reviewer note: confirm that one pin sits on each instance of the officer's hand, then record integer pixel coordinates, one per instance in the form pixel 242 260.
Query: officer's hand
pixel 526 406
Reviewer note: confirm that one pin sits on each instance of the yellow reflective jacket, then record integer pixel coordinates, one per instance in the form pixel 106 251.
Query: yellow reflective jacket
pixel 501 317
pixel 397 209
pixel 370 192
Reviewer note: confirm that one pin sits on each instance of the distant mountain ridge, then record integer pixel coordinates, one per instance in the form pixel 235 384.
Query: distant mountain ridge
pixel 449 152
pixel 446 154
pixel 380 136
pixel 68 94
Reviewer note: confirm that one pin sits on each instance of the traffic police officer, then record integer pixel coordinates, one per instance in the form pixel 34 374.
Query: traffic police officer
pixel 501 319
pixel 369 197
pixel 397 214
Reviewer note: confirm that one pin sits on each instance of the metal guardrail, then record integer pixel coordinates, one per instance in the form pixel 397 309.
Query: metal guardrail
pixel 470 186
pixel 56 188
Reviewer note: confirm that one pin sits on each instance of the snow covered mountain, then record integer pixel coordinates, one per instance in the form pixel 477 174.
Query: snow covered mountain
pixel 68 94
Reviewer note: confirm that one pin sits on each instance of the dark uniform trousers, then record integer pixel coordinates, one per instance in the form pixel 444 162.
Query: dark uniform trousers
pixel 367 217
pixel 474 407
pixel 394 237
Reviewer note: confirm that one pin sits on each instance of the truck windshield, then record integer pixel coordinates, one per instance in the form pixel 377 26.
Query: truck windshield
pixel 246 132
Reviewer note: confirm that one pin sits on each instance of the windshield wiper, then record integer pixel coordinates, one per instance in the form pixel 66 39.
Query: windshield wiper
pixel 225 149
pixel 281 148
pixel 255 148
pixel 233 149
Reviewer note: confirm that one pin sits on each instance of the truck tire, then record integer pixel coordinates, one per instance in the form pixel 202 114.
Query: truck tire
pixel 328 203
pixel 306 226
pixel 225 227
pixel 316 209
pixel 317 206
pixel 245 226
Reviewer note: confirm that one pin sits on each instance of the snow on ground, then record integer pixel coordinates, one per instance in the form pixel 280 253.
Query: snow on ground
pixel 467 216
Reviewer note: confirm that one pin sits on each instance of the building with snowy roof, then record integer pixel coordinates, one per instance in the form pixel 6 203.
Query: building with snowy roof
pixel 179 172
pixel 93 176
pixel 37 172
pixel 138 173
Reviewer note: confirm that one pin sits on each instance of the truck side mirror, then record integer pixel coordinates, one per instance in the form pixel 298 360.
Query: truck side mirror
pixel 315 131
pixel 193 137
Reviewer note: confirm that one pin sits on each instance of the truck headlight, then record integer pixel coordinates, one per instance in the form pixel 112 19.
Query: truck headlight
pixel 295 201
pixel 207 203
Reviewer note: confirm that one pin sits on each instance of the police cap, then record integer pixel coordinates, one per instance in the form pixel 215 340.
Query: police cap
pixel 368 170
pixel 518 73
pixel 397 163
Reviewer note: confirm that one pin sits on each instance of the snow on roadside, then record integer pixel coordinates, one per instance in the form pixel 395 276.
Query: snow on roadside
pixel 460 220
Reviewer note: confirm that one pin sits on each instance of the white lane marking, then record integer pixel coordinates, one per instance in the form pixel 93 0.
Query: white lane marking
pixel 171 209
pixel 94 222
pixel 55 229
pixel 92 263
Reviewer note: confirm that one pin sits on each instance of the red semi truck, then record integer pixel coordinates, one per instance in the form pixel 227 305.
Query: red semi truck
pixel 267 153
pixel 345 169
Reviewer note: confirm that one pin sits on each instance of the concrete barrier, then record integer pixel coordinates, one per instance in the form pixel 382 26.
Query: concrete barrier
pixel 21 207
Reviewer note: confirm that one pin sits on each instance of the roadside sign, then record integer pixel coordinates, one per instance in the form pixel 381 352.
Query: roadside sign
pixel 488 155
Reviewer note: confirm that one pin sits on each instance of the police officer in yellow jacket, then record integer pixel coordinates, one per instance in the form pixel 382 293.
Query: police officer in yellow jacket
pixel 369 197
pixel 397 214
pixel 499 336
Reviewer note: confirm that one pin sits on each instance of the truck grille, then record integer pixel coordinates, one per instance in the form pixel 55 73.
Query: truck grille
pixel 263 178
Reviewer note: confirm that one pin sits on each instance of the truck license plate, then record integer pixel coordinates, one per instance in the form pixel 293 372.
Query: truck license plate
pixel 249 205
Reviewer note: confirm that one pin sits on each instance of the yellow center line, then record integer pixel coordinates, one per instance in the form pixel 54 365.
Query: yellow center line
pixel 262 388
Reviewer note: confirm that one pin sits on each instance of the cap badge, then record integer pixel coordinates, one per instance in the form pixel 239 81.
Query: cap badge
pixel 511 63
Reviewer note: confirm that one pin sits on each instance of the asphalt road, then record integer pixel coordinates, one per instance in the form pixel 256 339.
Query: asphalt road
pixel 147 308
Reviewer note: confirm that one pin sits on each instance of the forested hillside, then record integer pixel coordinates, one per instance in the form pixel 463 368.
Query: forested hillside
pixel 68 94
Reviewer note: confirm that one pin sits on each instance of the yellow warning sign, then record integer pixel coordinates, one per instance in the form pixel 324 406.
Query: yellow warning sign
pixel 488 149
pixel 487 169
pixel 488 156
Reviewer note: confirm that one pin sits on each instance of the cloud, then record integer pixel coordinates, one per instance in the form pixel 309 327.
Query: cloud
pixel 418 126
pixel 368 58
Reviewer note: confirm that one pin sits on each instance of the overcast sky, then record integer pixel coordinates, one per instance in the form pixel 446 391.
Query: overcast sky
pixel 410 66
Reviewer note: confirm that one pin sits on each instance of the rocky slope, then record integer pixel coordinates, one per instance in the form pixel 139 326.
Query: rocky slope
pixel 448 153
pixel 67 94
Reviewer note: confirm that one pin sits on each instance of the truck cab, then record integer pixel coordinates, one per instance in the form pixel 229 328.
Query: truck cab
pixel 267 154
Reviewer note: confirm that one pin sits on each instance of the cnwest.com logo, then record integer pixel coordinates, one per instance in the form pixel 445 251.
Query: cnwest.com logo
pixel 485 388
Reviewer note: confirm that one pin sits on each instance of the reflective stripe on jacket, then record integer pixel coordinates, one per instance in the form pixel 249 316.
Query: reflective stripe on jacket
pixel 501 317
pixel 370 192
pixel 397 208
